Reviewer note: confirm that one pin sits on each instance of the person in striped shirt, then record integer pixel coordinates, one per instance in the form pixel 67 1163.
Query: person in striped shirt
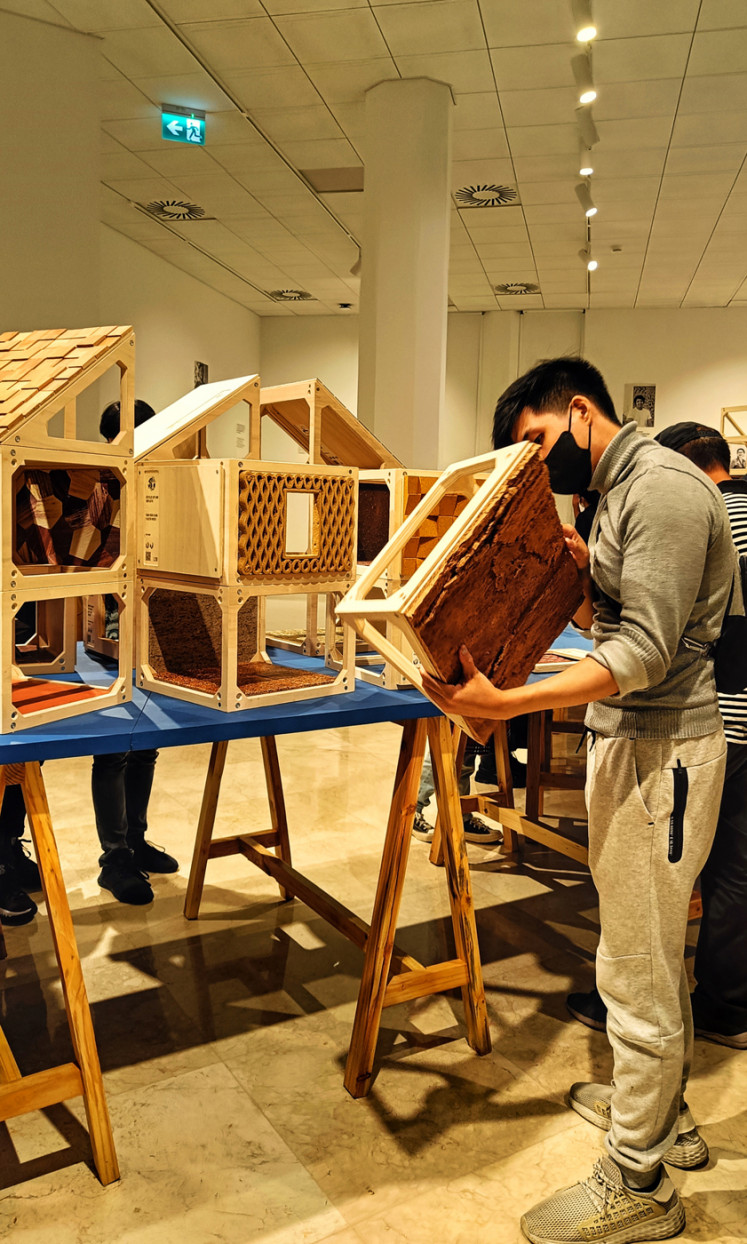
pixel 720 996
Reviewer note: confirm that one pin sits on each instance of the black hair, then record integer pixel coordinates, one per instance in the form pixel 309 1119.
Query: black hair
pixel 109 422
pixel 550 386
pixel 704 446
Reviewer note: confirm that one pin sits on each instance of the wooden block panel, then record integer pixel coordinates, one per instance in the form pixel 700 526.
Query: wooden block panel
pixel 67 516
pixel 43 372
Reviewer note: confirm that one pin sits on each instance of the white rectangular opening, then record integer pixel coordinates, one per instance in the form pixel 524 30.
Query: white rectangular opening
pixel 299 524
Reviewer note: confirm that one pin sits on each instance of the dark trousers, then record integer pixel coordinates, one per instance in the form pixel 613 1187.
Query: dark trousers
pixel 121 785
pixel 720 997
pixel 12 817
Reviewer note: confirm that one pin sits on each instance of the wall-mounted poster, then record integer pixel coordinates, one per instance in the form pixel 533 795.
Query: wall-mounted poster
pixel 738 459
pixel 640 403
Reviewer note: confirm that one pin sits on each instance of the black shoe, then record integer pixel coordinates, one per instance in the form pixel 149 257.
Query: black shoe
pixel 477 831
pixel 152 859
pixel 25 869
pixel 588 1009
pixel 122 877
pixel 15 905
pixel 421 828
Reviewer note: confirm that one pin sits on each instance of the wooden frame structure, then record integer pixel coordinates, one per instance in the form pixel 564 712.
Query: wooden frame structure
pixel 322 427
pixel 66 514
pixel 389 975
pixel 20 1094
pixel 180 430
pixel 552 569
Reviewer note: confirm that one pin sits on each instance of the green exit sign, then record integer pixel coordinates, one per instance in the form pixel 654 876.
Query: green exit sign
pixel 183 125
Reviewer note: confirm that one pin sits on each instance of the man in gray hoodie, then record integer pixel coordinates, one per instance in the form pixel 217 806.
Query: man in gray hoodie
pixel 656 577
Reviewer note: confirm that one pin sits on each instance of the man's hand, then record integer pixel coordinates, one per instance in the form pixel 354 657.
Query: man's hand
pixel 577 548
pixel 474 696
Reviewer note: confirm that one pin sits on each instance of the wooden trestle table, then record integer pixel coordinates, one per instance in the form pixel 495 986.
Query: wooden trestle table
pixel 389 974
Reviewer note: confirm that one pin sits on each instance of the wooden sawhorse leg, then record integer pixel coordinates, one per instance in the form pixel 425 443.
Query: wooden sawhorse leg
pixel 483 803
pixel 21 1094
pixel 377 988
pixel 208 848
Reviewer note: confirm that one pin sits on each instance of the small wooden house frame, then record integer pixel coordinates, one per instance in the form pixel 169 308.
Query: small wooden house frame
pixel 322 427
pixel 734 430
pixel 500 580
pixel 65 513
pixel 180 430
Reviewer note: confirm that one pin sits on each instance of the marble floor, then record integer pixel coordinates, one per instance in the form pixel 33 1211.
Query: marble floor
pixel 223 1040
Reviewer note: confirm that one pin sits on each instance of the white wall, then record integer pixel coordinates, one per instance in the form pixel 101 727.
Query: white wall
pixel 177 320
pixel 696 358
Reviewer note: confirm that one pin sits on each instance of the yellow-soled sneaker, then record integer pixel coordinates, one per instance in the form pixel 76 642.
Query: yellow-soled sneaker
pixel 601 1208
pixel 592 1102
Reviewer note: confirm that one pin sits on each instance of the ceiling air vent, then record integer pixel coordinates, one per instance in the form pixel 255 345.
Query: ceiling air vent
pixel 486 196
pixel 290 295
pixel 175 209
pixel 517 287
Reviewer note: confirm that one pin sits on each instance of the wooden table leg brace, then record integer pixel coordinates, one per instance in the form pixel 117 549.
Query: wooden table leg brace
pixel 411 979
pixel 22 1094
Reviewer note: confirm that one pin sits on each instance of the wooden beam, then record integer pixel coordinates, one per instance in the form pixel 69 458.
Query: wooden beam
pixel 43 1088
pixel 452 974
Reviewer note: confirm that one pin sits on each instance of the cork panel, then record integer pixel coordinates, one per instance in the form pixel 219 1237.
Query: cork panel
pixel 67 516
pixel 184 633
pixel 262 527
pixel 373 519
pixel 507 590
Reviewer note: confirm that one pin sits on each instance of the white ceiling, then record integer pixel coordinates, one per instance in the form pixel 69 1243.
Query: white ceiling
pixel 283 84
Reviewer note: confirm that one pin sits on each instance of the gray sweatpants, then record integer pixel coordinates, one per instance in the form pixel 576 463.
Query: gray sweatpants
pixel 653 807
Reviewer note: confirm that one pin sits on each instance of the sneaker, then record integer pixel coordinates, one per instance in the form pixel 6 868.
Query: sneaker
pixel 25 869
pixel 588 1009
pixel 735 1041
pixel 476 830
pixel 421 828
pixel 153 859
pixel 603 1208
pixel 122 877
pixel 592 1102
pixel 15 905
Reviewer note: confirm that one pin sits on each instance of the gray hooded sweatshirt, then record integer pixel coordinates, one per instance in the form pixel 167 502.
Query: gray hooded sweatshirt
pixel 662 562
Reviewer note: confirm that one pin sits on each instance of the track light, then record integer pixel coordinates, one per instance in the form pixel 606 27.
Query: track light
pixel 583 21
pixel 583 194
pixel 581 66
pixel 586 127
pixel 586 256
pixel 585 164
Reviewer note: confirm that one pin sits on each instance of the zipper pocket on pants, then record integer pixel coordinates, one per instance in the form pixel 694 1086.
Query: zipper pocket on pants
pixel 677 819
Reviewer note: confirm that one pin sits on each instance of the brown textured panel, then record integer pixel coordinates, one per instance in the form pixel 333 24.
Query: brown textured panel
pixel 184 632
pixel 373 519
pixel 507 590
pixel 262 526
pixel 67 516
pixel 40 364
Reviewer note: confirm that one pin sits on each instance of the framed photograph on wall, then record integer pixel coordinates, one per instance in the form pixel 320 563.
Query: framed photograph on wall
pixel 738 458
pixel 640 404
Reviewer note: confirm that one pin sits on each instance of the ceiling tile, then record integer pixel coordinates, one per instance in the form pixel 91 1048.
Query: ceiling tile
pixel 464 71
pixel 235 44
pixel 297 124
pixel 641 17
pixel 173 160
pixel 695 186
pixel 219 194
pixel 339 82
pixel 541 168
pixel 714 93
pixel 273 88
pixel 701 129
pixel 144 189
pixel 123 164
pixel 333 153
pixel 634 135
pixel 101 15
pixel 543 140
pixel 480 172
pixel 564 302
pixel 555 193
pixel 434 26
pixel 545 213
pixel 477 111
pixel 120 100
pixel 277 7
pixel 318 38
pixel 505 250
pixel 635 60
pixel 546 63
pixel 620 101
pixel 480 145
pixel 218 10
pixel 727 158
pixel 538 107
pixel 718 14
pixel 351 118
pixel 649 162
pixel 719 51
pixel 148 52
pixel 192 90
pixel 513 23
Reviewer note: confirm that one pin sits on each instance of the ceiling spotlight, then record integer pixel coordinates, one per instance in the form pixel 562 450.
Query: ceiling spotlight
pixel 581 66
pixel 583 194
pixel 583 21
pixel 586 127
pixel 585 255
pixel 585 165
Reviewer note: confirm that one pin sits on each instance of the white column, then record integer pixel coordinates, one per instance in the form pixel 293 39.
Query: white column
pixel 49 240
pixel 404 288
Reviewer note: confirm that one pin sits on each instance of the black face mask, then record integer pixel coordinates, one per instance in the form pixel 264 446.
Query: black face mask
pixel 569 465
